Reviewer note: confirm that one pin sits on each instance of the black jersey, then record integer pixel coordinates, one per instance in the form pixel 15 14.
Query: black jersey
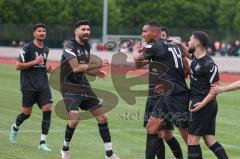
pixel 203 72
pixel 165 65
pixel 73 49
pixel 34 78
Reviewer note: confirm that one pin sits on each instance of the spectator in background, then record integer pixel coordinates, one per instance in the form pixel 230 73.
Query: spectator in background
pixel 223 49
pixel 130 45
pixel 14 43
pixel 217 46
pixel 165 33
pixel 236 48
pixel 64 41
pixel 21 43
pixel 210 51
pixel 230 50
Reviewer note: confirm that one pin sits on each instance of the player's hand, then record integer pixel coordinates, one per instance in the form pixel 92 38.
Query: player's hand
pixel 197 107
pixel 138 47
pixel 50 69
pixel 105 62
pixel 38 59
pixel 215 89
pixel 159 89
pixel 102 74
pixel 174 40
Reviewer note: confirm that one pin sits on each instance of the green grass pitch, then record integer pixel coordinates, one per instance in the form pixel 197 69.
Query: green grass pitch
pixel 128 134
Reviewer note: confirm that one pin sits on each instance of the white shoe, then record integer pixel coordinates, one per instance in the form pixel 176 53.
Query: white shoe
pixel 112 157
pixel 13 135
pixel 65 154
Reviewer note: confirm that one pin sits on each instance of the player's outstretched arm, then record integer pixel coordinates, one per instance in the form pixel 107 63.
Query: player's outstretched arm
pixel 183 47
pixel 215 89
pixel 139 60
pixel 26 65
pixel 141 64
pixel 205 101
pixel 138 56
pixel 77 68
pixel 186 67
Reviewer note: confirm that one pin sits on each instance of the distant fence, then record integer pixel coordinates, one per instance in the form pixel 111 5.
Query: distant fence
pixel 58 33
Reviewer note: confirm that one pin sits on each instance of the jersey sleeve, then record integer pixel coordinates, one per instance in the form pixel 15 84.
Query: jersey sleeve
pixel 153 50
pixel 211 72
pixel 23 56
pixel 68 51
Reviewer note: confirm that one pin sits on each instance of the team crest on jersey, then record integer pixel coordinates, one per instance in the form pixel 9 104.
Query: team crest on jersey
pixel 197 67
pixel 82 53
pixel 154 70
pixel 43 54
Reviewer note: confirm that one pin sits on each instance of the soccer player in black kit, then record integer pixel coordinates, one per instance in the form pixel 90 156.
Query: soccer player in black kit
pixel 166 130
pixel 34 84
pixel 75 65
pixel 164 56
pixel 202 121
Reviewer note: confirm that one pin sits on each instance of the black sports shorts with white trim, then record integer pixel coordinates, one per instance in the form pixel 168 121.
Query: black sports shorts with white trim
pixel 154 101
pixel 29 98
pixel 84 102
pixel 203 122
pixel 174 108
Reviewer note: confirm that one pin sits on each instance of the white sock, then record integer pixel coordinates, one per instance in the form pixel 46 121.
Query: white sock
pixel 66 143
pixel 108 146
pixel 43 137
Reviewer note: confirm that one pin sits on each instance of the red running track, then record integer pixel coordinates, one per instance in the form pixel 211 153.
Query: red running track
pixel 224 77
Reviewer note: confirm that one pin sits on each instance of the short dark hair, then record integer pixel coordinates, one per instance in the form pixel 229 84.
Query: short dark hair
pixel 81 22
pixel 202 37
pixel 166 30
pixel 153 23
pixel 39 25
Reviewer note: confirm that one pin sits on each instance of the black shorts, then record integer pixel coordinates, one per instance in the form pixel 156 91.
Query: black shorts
pixel 84 102
pixel 203 122
pixel 150 104
pixel 174 109
pixel 29 98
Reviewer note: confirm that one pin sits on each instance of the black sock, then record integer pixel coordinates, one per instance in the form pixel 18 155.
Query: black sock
pixel 68 137
pixel 46 121
pixel 175 147
pixel 160 152
pixel 20 119
pixel 105 135
pixel 194 152
pixel 219 151
pixel 151 146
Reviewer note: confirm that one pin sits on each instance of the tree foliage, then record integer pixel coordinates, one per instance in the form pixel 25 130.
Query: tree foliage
pixel 124 16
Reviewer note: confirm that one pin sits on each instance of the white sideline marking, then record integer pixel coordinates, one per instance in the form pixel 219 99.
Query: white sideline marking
pixel 60 131
pixel 112 130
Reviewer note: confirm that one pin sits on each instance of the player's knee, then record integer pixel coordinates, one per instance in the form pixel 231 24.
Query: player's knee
pixel 46 107
pixel 184 133
pixel 193 140
pixel 73 123
pixel 27 111
pixel 167 135
pixel 209 140
pixel 151 128
pixel 74 117
pixel 102 118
